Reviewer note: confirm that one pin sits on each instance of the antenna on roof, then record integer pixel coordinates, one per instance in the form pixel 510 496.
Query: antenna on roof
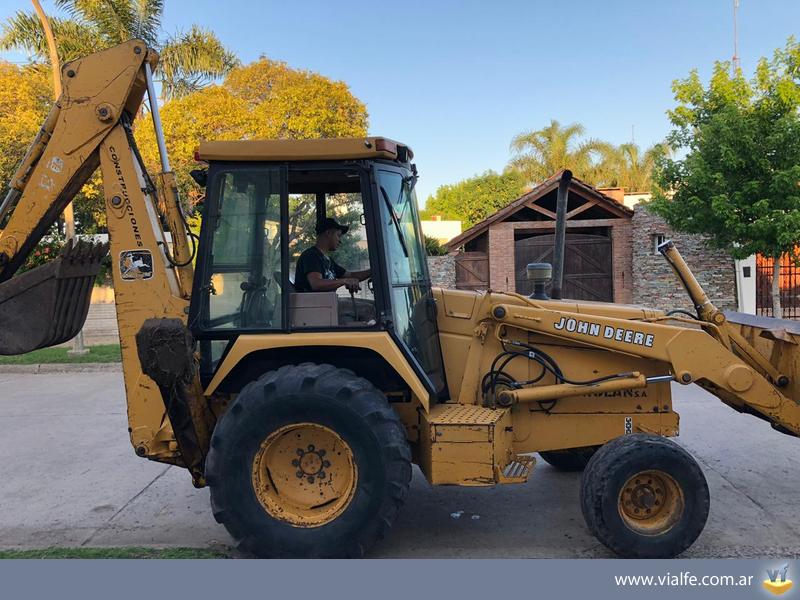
pixel 735 59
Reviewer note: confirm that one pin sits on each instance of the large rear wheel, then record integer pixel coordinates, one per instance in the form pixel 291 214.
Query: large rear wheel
pixel 643 496
pixel 309 461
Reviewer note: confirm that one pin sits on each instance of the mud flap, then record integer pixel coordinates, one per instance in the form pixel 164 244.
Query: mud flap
pixel 47 306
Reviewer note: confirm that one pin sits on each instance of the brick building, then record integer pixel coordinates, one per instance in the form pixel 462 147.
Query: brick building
pixel 598 244
pixel 610 252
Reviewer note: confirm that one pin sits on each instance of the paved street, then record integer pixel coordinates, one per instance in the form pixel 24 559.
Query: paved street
pixel 70 478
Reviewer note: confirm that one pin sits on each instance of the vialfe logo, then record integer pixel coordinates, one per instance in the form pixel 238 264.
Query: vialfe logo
pixel 777 580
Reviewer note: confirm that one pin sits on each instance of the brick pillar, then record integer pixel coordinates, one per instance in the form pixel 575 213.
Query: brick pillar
pixel 501 257
pixel 622 261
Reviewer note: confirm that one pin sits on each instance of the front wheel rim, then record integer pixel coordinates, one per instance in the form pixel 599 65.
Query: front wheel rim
pixel 651 502
pixel 304 474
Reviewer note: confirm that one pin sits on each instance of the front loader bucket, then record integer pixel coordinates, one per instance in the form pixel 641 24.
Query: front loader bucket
pixel 778 342
pixel 48 305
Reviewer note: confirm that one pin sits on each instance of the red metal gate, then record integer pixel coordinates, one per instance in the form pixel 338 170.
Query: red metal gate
pixel 789 284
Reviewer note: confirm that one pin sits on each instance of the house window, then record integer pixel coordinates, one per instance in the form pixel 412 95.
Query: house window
pixel 658 239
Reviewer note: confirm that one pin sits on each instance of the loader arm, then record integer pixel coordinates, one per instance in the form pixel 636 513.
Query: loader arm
pixel 90 125
pixel 711 351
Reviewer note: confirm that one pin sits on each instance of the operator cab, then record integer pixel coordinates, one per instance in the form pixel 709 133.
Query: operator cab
pixel 264 202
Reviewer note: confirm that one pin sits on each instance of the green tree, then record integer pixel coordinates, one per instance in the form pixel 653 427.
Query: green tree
pixel 738 181
pixel 189 60
pixel 472 200
pixel 541 153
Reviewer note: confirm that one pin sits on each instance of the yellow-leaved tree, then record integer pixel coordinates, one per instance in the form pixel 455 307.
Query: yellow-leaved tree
pixel 263 100
pixel 25 97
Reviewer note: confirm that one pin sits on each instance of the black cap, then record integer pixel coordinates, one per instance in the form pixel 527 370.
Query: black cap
pixel 327 224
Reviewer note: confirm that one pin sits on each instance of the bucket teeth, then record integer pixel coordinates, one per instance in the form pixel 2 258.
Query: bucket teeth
pixel 83 251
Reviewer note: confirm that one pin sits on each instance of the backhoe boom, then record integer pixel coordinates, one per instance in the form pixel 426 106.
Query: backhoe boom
pixel 91 125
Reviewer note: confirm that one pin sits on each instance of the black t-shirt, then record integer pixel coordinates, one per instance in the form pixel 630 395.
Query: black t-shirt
pixel 312 260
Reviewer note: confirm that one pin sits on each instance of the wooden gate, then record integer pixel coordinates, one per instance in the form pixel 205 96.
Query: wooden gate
pixel 588 272
pixel 789 284
pixel 472 271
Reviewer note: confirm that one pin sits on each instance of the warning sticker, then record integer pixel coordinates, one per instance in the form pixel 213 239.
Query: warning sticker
pixel 135 265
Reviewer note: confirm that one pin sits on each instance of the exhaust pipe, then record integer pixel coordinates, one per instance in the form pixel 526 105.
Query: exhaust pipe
pixel 561 233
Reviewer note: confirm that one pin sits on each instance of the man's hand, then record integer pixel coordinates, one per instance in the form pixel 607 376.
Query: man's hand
pixel 352 284
pixel 360 275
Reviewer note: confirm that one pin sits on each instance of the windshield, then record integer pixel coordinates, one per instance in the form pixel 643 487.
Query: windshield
pixel 413 306
pixel 404 243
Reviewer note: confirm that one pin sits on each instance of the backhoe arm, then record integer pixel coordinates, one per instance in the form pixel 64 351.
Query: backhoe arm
pixel 98 90
pixel 89 126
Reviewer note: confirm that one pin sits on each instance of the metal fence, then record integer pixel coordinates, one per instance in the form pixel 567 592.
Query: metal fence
pixel 789 285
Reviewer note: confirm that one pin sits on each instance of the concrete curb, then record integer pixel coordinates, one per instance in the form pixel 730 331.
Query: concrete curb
pixel 45 368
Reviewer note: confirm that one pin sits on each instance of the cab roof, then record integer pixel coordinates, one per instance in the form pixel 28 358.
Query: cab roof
pixel 305 150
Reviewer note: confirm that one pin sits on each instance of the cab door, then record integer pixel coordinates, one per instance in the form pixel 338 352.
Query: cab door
pixel 407 286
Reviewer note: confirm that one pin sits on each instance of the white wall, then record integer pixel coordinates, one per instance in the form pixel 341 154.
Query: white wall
pixel 633 198
pixel 444 231
pixel 746 285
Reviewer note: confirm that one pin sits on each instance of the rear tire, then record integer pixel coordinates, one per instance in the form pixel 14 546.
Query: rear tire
pixel 572 459
pixel 309 461
pixel 644 496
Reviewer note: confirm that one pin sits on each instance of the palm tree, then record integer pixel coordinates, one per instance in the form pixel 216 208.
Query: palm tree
pixel 189 60
pixel 541 153
pixel 632 169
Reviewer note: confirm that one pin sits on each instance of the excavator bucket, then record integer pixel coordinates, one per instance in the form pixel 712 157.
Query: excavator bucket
pixel 48 305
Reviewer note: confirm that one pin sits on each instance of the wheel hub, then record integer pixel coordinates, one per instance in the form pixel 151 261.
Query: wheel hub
pixel 311 463
pixel 304 474
pixel 651 502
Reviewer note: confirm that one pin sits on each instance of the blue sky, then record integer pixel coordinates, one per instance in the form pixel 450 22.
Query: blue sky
pixel 457 80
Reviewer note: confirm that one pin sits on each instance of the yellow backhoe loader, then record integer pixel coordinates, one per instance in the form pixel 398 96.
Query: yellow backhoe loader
pixel 304 412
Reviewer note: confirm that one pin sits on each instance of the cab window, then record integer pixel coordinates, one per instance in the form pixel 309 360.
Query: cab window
pixel 242 292
pixel 314 196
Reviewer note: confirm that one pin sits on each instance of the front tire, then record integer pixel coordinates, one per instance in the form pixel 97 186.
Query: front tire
pixel 644 496
pixel 309 461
